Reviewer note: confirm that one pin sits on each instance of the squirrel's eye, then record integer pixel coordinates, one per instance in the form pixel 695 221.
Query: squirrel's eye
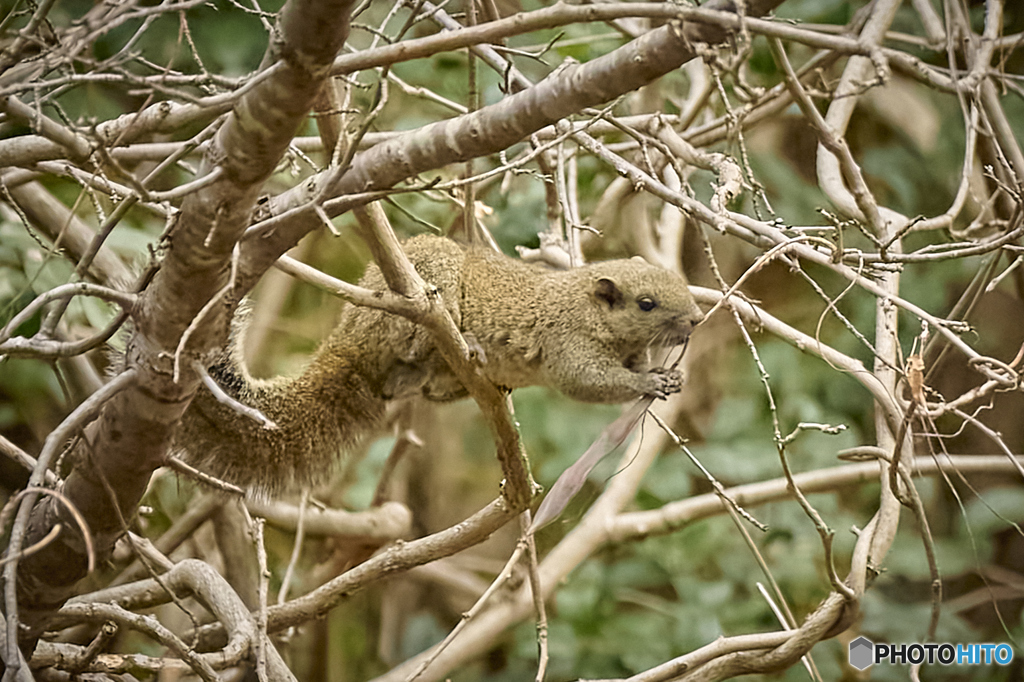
pixel 646 303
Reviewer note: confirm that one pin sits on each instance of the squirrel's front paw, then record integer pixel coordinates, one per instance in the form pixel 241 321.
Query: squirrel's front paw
pixel 664 382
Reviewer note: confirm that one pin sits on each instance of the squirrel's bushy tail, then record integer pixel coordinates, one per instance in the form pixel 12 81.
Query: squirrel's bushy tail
pixel 318 415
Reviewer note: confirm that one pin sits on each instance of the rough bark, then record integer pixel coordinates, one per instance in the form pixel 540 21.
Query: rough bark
pixel 488 130
pixel 129 439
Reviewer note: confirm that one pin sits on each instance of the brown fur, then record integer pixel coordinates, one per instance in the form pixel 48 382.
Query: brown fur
pixel 584 332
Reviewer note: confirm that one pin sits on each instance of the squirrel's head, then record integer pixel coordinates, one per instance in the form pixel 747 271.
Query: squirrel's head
pixel 642 302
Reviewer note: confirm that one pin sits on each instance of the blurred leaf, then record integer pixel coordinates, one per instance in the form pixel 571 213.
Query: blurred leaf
pixel 992 511
pixel 551 446
pixel 573 478
pixel 359 494
pixel 669 478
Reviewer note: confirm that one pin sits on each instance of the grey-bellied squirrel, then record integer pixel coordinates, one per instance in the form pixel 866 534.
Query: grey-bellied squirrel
pixel 587 332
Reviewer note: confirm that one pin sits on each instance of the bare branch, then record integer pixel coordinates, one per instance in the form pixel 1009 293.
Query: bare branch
pixel 247 148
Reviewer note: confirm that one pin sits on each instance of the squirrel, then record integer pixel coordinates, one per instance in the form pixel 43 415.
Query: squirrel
pixel 587 332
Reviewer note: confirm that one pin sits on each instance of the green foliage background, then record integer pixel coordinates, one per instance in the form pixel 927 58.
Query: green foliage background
pixel 631 606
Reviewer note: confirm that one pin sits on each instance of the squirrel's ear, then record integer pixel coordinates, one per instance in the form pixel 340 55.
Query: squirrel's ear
pixel 608 291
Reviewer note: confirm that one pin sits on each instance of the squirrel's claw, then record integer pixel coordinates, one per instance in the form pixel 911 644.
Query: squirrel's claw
pixel 664 382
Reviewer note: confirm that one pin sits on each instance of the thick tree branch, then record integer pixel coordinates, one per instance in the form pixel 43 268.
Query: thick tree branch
pixel 130 438
pixel 486 131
